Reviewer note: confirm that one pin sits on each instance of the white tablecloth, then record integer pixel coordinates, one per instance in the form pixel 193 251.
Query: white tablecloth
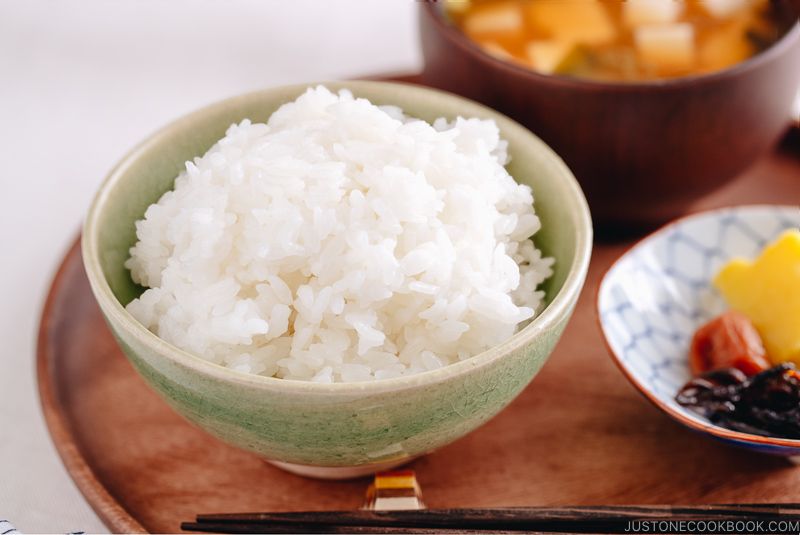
pixel 81 82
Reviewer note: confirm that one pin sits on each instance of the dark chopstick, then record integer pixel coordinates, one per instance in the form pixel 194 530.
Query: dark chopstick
pixel 230 527
pixel 510 519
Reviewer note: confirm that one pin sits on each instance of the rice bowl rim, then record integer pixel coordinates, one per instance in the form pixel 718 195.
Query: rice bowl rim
pixel 572 199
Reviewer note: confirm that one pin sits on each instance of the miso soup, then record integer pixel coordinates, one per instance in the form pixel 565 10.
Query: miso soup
pixel 617 40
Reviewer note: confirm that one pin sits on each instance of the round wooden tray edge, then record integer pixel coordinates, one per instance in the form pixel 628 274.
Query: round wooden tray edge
pixel 112 514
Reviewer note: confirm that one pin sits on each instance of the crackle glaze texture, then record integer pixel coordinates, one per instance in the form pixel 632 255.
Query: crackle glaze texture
pixel 339 425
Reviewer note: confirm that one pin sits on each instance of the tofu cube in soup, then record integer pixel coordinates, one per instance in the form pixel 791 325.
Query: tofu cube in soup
pixel 724 8
pixel 665 47
pixel 493 19
pixel 638 12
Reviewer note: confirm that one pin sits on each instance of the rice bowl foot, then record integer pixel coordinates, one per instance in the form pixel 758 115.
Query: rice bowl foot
pixel 340 472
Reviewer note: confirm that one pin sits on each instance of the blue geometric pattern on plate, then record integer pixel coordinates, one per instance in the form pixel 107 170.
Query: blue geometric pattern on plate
pixel 655 296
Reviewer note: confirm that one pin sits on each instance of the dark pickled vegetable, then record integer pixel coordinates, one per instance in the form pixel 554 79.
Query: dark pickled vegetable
pixel 714 393
pixel 767 404
pixel 771 401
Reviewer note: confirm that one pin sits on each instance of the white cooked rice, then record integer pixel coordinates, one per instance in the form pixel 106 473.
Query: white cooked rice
pixel 341 241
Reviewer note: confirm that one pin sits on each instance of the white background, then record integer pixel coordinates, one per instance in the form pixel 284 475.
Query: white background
pixel 81 82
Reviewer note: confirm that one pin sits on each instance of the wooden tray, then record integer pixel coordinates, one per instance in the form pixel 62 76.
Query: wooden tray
pixel 578 435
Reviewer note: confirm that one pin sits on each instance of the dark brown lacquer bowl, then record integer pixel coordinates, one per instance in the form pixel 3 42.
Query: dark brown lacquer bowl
pixel 643 152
